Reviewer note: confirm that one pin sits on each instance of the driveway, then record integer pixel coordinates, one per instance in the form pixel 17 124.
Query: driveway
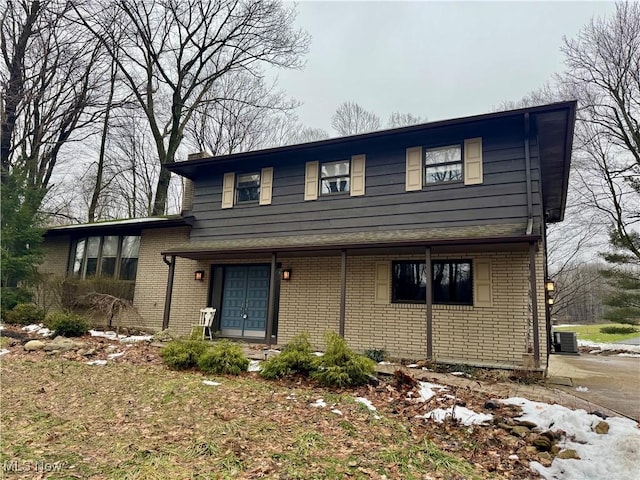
pixel 610 381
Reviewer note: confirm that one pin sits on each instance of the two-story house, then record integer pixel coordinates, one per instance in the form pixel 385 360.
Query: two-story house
pixel 425 241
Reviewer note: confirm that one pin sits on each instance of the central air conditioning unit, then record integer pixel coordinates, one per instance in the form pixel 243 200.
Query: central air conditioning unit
pixel 565 342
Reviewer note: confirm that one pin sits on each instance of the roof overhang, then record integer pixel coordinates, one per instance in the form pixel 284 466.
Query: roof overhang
pixel 476 235
pixel 120 227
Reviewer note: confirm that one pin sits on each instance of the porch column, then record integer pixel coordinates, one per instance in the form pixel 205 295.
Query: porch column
pixel 272 299
pixel 534 303
pixel 169 292
pixel 429 301
pixel 343 290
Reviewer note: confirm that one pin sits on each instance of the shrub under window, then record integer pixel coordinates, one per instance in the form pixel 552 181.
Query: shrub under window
pixel 451 279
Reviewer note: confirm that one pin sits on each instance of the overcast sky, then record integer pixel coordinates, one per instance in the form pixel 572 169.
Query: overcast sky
pixel 433 59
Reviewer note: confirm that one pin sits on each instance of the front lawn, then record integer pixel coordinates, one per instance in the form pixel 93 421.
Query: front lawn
pixel 137 421
pixel 592 333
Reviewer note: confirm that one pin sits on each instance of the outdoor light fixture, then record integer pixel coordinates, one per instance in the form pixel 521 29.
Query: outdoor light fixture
pixel 199 276
pixel 286 274
pixel 550 285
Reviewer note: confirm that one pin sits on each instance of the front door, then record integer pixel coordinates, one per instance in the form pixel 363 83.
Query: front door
pixel 245 301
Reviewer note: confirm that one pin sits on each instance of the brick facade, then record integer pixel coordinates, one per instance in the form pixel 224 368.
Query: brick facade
pixel 491 336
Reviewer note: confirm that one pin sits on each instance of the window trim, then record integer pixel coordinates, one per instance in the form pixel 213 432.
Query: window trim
pixel 460 162
pixel 237 188
pixel 346 175
pixel 394 299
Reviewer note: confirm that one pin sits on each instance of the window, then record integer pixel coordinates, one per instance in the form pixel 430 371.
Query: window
pixel 409 284
pixel 335 177
pixel 443 164
pixel 108 256
pixel 452 282
pixel 248 188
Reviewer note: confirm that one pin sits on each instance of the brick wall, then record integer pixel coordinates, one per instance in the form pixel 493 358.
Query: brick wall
pixel 189 295
pixel 490 336
pixel 53 269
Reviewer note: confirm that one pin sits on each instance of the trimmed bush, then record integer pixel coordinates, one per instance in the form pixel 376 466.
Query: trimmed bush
pixel 296 357
pixel 377 355
pixel 618 330
pixel 340 366
pixel 225 358
pixel 183 354
pixel 10 297
pixel 25 314
pixel 67 324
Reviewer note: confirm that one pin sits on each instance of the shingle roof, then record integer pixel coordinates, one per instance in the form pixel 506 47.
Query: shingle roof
pixel 441 236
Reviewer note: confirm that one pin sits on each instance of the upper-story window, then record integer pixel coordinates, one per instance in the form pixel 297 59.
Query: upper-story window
pixel 443 164
pixel 105 256
pixel 335 177
pixel 248 187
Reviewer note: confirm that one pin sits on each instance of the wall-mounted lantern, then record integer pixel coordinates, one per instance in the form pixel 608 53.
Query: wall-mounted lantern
pixel 199 275
pixel 286 274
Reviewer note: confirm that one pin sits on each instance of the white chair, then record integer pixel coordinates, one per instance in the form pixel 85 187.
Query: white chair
pixel 206 321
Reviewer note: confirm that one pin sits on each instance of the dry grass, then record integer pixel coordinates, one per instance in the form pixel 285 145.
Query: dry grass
pixel 136 421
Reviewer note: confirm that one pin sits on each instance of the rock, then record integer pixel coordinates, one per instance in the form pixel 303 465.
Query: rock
pixel 545 458
pixel 504 426
pixel 567 454
pixel 33 345
pixel 542 443
pixel 555 449
pixel 528 424
pixel 492 404
pixel 598 413
pixel 520 431
pixel 373 380
pixel 110 349
pixel 602 428
pixel 508 441
pixel 63 344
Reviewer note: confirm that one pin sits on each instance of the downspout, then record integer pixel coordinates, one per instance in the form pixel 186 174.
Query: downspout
pixel 169 293
pixel 532 245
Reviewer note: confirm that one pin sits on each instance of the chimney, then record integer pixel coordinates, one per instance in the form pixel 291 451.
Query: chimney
pixel 187 184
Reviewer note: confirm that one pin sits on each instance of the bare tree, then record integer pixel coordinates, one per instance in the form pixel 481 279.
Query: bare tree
pixel 351 119
pixel 300 134
pixel 603 73
pixel 173 52
pixel 239 113
pixel 398 119
pixel 52 72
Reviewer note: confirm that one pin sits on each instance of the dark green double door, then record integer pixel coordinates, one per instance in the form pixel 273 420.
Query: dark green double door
pixel 245 301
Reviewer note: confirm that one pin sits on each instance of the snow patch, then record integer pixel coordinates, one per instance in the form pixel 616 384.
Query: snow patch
pixel 413 365
pixel 101 363
pixel 461 414
pixel 612 455
pixel 458 374
pixel 319 403
pixel 426 390
pixel 39 329
pixel 211 383
pixel 336 411
pixel 366 402
pixel 123 338
pixel 111 356
pixel 254 366
pixel 582 389
pixel 610 346
pixel 3 351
